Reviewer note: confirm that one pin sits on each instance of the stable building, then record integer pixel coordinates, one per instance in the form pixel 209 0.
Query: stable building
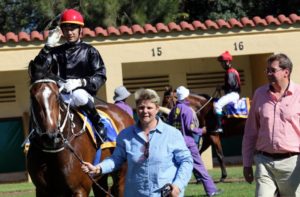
pixel 149 56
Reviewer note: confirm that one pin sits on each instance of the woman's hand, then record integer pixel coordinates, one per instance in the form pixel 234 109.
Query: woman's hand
pixel 175 191
pixel 90 168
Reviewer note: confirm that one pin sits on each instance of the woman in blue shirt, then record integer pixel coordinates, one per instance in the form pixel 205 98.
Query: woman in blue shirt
pixel 155 152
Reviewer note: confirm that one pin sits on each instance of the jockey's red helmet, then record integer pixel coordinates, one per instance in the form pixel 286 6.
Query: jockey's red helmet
pixel 71 16
pixel 226 56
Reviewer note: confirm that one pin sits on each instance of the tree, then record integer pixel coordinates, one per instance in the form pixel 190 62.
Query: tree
pixel 28 15
pixel 226 9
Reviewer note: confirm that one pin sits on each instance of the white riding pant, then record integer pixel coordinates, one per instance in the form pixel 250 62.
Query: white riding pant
pixel 78 97
pixel 231 97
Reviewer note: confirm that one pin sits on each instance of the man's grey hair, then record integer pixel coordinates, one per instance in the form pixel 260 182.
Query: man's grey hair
pixel 283 59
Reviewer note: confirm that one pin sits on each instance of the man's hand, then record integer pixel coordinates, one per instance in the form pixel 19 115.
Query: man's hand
pixel 248 174
pixel 53 37
pixel 72 84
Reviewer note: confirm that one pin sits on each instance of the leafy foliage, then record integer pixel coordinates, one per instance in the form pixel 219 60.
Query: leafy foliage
pixel 28 15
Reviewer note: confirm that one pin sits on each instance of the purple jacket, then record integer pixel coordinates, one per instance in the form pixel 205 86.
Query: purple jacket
pixel 181 117
pixel 125 107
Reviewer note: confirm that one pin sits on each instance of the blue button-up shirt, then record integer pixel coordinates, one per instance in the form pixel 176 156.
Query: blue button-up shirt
pixel 169 160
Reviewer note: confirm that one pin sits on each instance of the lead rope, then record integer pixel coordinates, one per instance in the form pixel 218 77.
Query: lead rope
pixel 69 146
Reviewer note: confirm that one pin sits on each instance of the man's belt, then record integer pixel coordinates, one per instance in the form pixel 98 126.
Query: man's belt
pixel 278 155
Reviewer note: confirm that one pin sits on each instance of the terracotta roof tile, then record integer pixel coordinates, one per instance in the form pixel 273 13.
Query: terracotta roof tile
pixel 36 35
pixel 150 28
pixel 88 32
pixel 100 31
pixel 113 31
pixel 23 36
pixel 45 34
pixel 2 38
pixel 160 27
pixel 174 27
pixel 125 30
pixel 270 19
pixel 235 23
pixel 283 19
pixel 222 23
pixel 137 29
pixel 295 18
pixel 247 22
pixel 186 26
pixel 211 24
pixel 199 25
pixel 11 36
pixel 259 21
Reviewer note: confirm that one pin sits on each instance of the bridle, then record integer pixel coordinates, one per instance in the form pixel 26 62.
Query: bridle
pixel 62 122
pixel 60 128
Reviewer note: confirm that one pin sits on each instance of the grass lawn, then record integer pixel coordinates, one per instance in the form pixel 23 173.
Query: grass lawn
pixel 233 186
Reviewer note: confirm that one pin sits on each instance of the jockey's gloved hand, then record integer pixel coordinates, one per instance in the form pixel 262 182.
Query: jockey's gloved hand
pixel 72 84
pixel 53 37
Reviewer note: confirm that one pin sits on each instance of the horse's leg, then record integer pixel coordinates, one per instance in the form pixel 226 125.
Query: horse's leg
pixel 103 183
pixel 216 141
pixel 81 192
pixel 206 142
pixel 118 177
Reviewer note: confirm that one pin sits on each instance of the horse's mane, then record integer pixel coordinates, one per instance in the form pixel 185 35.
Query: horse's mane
pixel 38 71
pixel 200 96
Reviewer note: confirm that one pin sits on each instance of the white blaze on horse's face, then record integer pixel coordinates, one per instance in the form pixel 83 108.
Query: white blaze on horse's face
pixel 46 95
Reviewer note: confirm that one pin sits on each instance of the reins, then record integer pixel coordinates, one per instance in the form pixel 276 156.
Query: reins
pixel 208 101
pixel 69 146
pixel 68 116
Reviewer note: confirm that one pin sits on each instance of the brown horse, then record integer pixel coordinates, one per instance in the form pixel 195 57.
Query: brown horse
pixel 203 105
pixel 60 143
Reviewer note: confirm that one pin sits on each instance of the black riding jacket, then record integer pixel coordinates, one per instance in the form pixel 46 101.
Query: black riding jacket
pixel 75 61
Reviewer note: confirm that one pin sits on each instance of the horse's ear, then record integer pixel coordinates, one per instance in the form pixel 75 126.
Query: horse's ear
pixel 30 68
pixel 37 71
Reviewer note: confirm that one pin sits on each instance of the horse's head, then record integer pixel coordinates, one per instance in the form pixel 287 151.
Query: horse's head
pixel 169 100
pixel 45 114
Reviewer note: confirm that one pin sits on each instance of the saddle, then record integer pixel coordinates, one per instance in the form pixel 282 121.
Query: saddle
pixel 111 132
pixel 109 125
pixel 239 109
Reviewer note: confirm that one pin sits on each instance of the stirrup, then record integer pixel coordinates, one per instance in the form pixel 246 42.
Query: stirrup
pixel 101 132
pixel 219 130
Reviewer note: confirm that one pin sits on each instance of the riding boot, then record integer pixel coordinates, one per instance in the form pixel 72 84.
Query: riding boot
pixel 219 123
pixel 95 118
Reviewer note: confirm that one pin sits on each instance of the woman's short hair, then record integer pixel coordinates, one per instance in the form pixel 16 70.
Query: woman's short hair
pixel 146 94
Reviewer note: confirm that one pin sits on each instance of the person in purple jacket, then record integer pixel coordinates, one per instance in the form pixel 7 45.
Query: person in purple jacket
pixel 121 94
pixel 183 117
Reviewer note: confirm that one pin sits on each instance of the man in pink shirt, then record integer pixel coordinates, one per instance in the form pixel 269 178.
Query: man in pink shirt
pixel 272 133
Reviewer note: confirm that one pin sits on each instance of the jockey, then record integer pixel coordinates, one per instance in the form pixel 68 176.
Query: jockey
pixel 79 63
pixel 231 87
pixel 120 96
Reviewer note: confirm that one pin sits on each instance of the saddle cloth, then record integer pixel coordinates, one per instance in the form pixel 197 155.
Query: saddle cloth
pixel 111 132
pixel 239 109
pixel 109 125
